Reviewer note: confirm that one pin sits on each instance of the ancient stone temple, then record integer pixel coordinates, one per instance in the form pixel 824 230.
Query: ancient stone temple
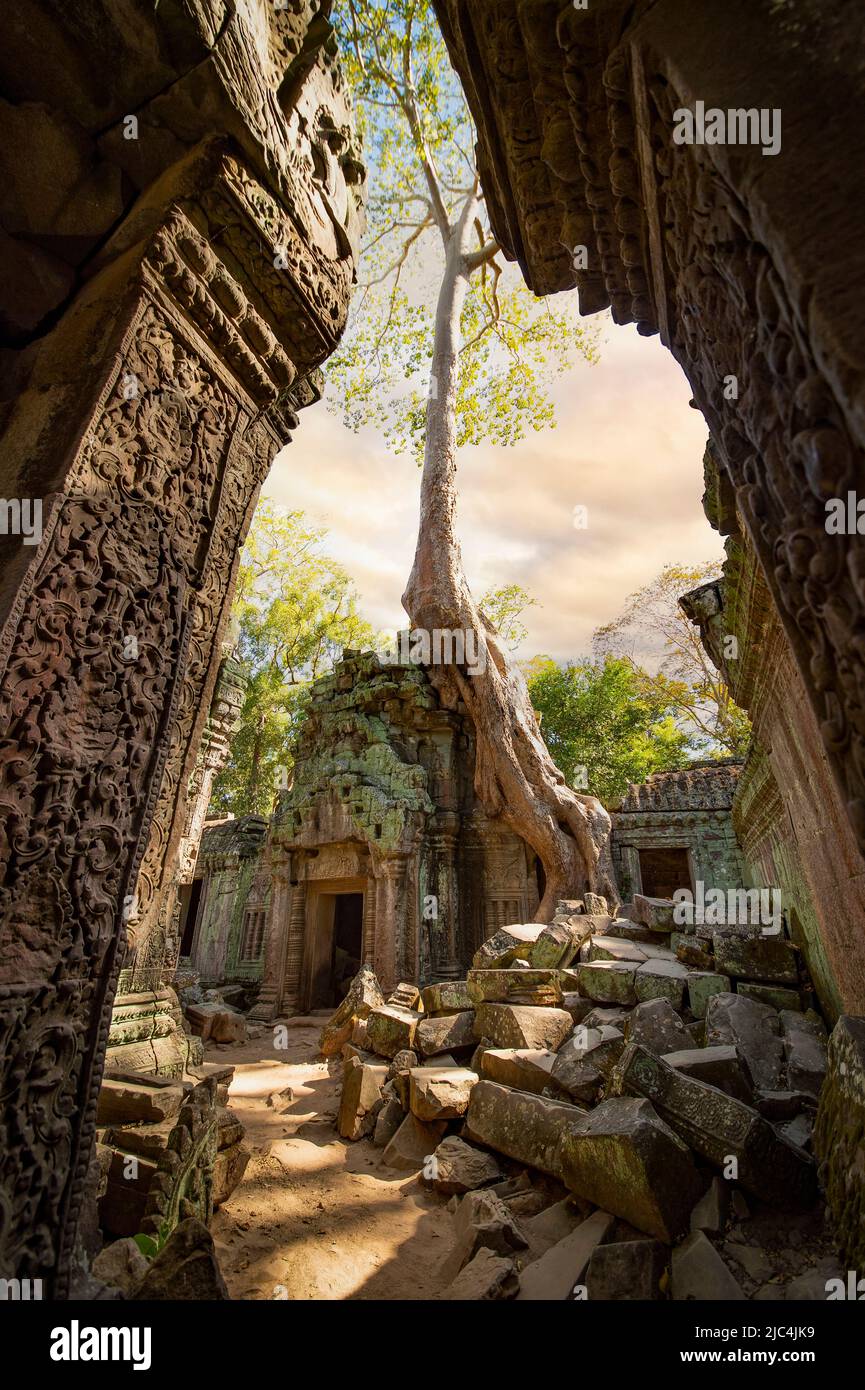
pixel 181 218
pixel 380 851
pixel 675 830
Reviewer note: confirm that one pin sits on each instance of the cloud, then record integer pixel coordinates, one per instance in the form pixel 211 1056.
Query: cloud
pixel 627 446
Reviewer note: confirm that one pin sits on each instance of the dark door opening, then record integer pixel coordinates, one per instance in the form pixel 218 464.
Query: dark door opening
pixel 663 871
pixel 347 942
pixel 192 894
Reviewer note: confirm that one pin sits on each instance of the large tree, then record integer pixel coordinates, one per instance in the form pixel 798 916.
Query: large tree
pixel 490 348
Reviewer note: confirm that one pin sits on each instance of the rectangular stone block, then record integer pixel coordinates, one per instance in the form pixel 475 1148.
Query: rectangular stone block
pixel 553 1276
pixel 661 979
pixel 608 982
pixel 521 1025
pixel 500 986
pixel 524 1127
pixel 434 1035
pixel 720 1128
pixel 506 945
pixel 440 1093
pixel 361 1091
pixel 526 1069
pixel 654 913
pixel 390 1029
pixel 702 984
pixel 770 960
pixel 447 997
pixel 623 1158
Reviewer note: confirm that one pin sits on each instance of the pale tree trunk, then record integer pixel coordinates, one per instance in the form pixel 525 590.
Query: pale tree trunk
pixel 515 776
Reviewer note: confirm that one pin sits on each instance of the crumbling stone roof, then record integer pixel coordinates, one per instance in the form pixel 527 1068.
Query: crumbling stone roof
pixel 702 786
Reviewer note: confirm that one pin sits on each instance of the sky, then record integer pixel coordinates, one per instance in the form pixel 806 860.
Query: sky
pixel 627 447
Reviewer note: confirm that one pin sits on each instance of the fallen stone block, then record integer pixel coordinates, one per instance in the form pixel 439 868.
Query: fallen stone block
pixel 435 1035
pixel 656 1025
pixel 608 981
pixel 691 952
pixel 702 985
pixel 586 1059
pixel 556 947
pixel 391 1029
pixel 764 958
pixel 754 1029
pixel 595 904
pixel 576 1005
pixel 554 1276
pixel 361 1091
pixel 402 1061
pixel 776 996
pixel 720 1128
pixel 406 996
pixel 522 1026
pixel 387 1122
pixel 526 1069
pixel 414 1142
pixel 500 986
pixel 710 1213
pixel 699 1273
pixel 142 1100
pixel 215 1022
pixel 600 1017
pixel 654 913
pixel 185 1268
pixel 448 997
pixel 486 1278
pixel 440 1093
pixel 661 979
pixel 507 945
pixel 121 1265
pixel 718 1066
pixel 482 1222
pixel 525 1127
pixel 363 995
pixel 615 948
pixel 459 1167
pixel 626 1271
pixel 624 1158
pixel 805 1047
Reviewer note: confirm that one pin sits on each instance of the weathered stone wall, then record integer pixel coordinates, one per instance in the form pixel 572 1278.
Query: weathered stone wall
pixel 691 809
pixel 182 211
pixel 788 812
pixel 750 267
pixel 234 883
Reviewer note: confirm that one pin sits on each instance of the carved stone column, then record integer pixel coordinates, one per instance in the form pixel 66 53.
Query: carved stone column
pixel 285 898
pixel 152 399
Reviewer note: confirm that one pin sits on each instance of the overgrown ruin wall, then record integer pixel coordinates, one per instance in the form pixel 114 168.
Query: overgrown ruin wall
pixel 749 266
pixel 183 205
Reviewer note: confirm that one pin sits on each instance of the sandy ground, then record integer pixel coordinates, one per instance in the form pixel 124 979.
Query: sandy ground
pixel 316 1217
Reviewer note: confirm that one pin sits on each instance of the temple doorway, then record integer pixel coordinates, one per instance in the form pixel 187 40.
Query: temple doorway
pixel 664 870
pixel 338 947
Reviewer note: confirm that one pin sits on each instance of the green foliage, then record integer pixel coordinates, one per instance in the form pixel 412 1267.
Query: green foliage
pixel 295 610
pixel 653 627
pixel 419 145
pixel 607 717
pixel 502 607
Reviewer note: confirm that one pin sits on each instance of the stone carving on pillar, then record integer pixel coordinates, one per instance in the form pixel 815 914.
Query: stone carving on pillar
pixel 154 384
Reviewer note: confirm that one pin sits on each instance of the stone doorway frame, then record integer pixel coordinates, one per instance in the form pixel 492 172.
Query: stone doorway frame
pixel 317 891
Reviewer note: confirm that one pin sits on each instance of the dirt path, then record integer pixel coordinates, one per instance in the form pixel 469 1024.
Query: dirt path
pixel 316 1217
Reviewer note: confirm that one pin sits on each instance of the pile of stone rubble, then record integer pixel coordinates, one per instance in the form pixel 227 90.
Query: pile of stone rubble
pixel 619 1107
